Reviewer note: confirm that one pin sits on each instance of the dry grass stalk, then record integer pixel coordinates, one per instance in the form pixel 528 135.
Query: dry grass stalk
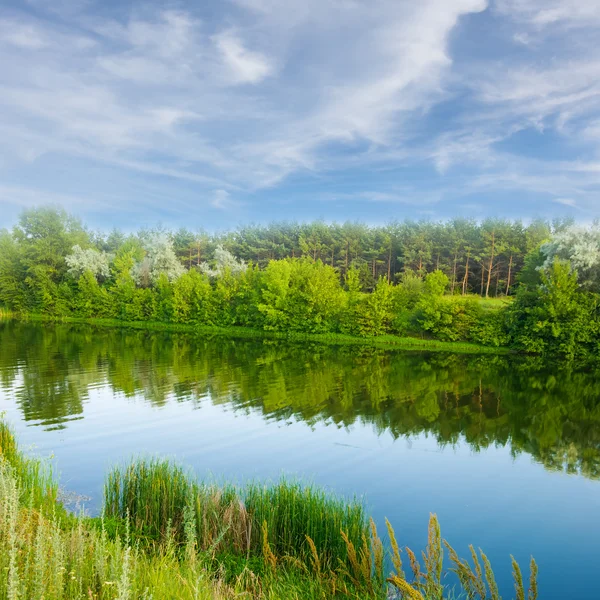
pixel 396 558
pixel 270 558
pixel 518 578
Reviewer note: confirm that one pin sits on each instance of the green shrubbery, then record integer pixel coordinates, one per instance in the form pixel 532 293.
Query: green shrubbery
pixel 556 317
pixel 49 266
pixel 289 295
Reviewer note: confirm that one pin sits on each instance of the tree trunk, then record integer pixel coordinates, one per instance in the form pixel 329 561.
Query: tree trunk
pixel 454 272
pixel 489 279
pixel 347 251
pixel 466 278
pixel 509 274
pixel 482 278
pixel 497 280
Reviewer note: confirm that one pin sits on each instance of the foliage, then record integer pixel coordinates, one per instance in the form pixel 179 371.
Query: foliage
pixel 160 260
pixel 224 262
pixel 300 295
pixel 192 299
pixel 411 279
pixel 579 246
pixel 436 283
pixel 90 259
pixel 557 317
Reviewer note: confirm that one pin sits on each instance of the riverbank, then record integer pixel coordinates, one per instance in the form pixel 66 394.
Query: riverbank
pixel 164 535
pixel 333 339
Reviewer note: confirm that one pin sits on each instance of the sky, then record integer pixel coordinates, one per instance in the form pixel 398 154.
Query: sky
pixel 220 113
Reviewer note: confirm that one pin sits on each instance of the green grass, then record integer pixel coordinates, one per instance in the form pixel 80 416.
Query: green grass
pixel 35 479
pixel 334 339
pixel 159 550
pixel 493 303
pixel 161 500
pixel 292 512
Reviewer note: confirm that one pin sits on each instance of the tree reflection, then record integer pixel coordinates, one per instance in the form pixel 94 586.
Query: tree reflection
pixel 551 414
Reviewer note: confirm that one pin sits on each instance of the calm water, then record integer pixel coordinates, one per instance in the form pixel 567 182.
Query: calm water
pixel 506 453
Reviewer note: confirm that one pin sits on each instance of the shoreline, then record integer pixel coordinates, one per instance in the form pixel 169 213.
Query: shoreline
pixel 160 525
pixel 332 339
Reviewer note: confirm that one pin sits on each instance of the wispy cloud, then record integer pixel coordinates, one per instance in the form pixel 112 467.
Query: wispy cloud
pixel 566 202
pixel 27 197
pixel 222 200
pixel 544 13
pixel 231 99
pixel 245 66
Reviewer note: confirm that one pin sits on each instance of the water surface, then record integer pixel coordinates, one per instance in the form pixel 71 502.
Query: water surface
pixel 505 451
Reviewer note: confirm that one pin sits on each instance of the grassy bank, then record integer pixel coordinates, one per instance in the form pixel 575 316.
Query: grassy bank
pixel 334 339
pixel 164 535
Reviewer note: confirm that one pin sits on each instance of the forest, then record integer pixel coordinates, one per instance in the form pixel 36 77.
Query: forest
pixel 534 288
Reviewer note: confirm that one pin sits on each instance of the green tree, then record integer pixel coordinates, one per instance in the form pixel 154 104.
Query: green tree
pixel 556 318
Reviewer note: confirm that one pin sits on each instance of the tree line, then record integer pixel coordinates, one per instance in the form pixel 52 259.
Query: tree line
pixel 481 258
pixel 410 278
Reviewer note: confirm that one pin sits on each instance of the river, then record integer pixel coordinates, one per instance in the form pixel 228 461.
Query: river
pixel 505 450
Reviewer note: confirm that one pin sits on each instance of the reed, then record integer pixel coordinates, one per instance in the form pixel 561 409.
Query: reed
pixel 156 495
pixel 293 513
pixel 476 582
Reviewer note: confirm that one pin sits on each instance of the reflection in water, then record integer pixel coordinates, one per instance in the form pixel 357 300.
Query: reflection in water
pixel 552 415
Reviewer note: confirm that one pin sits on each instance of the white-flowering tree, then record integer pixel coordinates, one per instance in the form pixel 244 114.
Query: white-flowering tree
pixel 581 247
pixel 80 261
pixel 223 261
pixel 160 259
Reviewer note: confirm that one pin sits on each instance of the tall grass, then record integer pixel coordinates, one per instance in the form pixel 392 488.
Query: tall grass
pixel 295 514
pixel 35 479
pixel 42 558
pixel 179 539
pixel 156 496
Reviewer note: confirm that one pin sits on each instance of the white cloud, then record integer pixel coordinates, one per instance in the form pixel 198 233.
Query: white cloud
pixel 543 13
pixel 245 66
pixel 222 200
pixel 264 89
pixel 156 89
pixel 566 202
pixel 22 35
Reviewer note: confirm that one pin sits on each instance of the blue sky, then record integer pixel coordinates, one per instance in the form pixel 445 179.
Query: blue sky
pixel 219 113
